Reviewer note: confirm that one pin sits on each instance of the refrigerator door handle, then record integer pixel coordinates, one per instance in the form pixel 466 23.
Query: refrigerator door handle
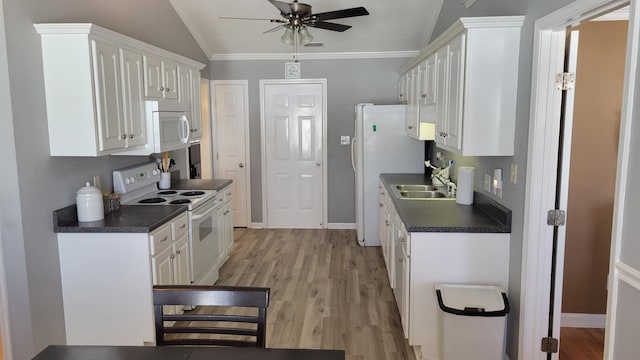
pixel 353 153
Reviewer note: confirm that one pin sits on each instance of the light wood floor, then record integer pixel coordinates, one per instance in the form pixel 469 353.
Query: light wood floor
pixel 581 344
pixel 326 291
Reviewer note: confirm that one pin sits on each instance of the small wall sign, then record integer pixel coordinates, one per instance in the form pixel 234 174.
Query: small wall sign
pixel 292 70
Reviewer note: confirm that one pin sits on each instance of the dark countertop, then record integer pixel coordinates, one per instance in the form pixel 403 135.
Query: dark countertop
pixel 484 216
pixel 61 352
pixel 132 218
pixel 197 184
pixel 129 219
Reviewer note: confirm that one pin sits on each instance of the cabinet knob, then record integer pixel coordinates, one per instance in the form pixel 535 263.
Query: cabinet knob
pixel 183 226
pixel 241 165
pixel 161 88
pixel 424 96
pixel 400 260
pixel 164 239
pixel 381 205
pixel 172 256
pixel 167 89
pixel 124 136
pixel 410 127
pixel 131 136
pixel 178 252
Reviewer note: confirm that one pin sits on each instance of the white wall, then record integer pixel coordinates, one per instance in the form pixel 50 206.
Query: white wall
pixel 33 183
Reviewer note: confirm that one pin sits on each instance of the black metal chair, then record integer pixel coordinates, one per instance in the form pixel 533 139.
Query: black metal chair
pixel 221 327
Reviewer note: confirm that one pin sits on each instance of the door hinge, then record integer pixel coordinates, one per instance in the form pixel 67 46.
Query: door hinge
pixel 565 81
pixel 549 345
pixel 556 217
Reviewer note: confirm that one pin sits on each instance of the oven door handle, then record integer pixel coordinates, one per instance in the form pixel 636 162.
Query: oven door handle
pixel 206 212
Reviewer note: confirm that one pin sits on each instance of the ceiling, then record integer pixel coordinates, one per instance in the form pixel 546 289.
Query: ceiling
pixel 390 29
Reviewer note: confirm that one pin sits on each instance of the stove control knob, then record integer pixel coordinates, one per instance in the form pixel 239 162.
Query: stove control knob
pixel 155 172
pixel 132 180
pixel 127 181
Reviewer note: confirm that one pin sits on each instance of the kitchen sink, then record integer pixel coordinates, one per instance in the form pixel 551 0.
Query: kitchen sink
pixel 420 192
pixel 415 187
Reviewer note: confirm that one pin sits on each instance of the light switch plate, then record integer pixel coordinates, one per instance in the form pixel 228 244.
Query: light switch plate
pixel 344 140
pixel 487 182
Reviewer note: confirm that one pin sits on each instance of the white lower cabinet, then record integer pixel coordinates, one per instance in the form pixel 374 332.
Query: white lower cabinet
pixel 107 281
pixel 225 224
pixel 419 260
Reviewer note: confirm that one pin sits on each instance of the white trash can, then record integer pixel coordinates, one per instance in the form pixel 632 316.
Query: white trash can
pixel 471 322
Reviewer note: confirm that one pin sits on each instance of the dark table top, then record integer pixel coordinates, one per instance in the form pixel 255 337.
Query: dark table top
pixel 62 352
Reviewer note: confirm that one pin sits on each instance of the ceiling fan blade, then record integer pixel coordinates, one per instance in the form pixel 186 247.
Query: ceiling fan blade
pixel 284 7
pixel 330 26
pixel 245 18
pixel 339 14
pixel 274 29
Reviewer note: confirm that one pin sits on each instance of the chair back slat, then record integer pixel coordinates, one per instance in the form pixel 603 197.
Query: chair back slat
pixel 210 296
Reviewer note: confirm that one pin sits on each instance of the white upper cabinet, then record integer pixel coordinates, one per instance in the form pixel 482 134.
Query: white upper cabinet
pixel 196 106
pixel 161 79
pixel 472 69
pixel 96 82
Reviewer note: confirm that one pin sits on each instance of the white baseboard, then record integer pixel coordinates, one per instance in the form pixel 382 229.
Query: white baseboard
pixel 583 320
pixel 255 225
pixel 344 226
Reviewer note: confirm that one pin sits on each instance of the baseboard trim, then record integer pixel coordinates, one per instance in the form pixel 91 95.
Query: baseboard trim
pixel 255 225
pixel 583 320
pixel 344 226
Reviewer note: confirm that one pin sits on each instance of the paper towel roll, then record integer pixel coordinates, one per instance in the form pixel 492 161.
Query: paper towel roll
pixel 465 185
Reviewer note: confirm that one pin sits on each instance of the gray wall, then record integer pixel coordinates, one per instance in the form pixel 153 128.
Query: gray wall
pixel 33 183
pixel 513 195
pixel 348 83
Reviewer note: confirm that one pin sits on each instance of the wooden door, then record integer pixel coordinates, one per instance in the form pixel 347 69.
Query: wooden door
pixel 293 158
pixel 231 106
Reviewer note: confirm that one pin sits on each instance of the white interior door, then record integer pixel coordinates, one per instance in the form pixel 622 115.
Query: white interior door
pixel 231 106
pixel 293 153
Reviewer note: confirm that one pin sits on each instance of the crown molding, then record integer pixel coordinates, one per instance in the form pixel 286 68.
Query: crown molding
pixel 315 56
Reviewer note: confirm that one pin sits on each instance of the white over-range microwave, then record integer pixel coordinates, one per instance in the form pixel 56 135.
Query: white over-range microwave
pixel 167 128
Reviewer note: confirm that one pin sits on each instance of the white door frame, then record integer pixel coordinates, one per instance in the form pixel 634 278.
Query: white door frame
pixel 542 161
pixel 247 139
pixel 322 82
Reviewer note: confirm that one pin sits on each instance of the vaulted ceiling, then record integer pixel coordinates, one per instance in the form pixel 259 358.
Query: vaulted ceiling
pixel 390 27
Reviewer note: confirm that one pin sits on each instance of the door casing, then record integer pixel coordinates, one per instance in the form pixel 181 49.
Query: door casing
pixel 322 82
pixel 542 162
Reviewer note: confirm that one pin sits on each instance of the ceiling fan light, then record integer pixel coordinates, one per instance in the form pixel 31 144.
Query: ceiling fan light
pixel 305 36
pixel 287 37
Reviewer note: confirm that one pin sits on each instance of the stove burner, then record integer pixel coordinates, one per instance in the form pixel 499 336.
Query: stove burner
pixel 152 201
pixel 180 201
pixel 167 192
pixel 192 193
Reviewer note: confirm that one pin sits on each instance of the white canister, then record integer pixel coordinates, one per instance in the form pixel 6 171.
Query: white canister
pixel 89 203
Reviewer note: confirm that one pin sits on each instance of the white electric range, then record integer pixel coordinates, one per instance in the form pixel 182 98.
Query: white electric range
pixel 137 185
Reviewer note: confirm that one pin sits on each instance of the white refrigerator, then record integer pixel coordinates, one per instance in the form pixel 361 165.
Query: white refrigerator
pixel 380 145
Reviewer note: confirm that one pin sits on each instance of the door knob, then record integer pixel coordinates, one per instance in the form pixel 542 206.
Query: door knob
pixel 241 165
pixel 318 163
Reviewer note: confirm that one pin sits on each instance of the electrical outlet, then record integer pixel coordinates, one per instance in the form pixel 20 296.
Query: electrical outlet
pixel 487 182
pixel 514 173
pixel 344 140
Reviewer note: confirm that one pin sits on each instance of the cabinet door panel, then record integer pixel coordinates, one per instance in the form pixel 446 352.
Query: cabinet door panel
pixel 455 85
pixel 181 261
pixel 441 90
pixel 108 101
pixel 170 80
pixel 196 106
pixel 133 98
pixel 153 88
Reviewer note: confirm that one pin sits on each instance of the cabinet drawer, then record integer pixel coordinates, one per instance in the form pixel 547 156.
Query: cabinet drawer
pixel 180 226
pixel 160 239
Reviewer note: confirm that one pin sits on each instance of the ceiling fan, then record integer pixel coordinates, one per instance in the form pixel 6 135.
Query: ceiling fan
pixel 297 17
